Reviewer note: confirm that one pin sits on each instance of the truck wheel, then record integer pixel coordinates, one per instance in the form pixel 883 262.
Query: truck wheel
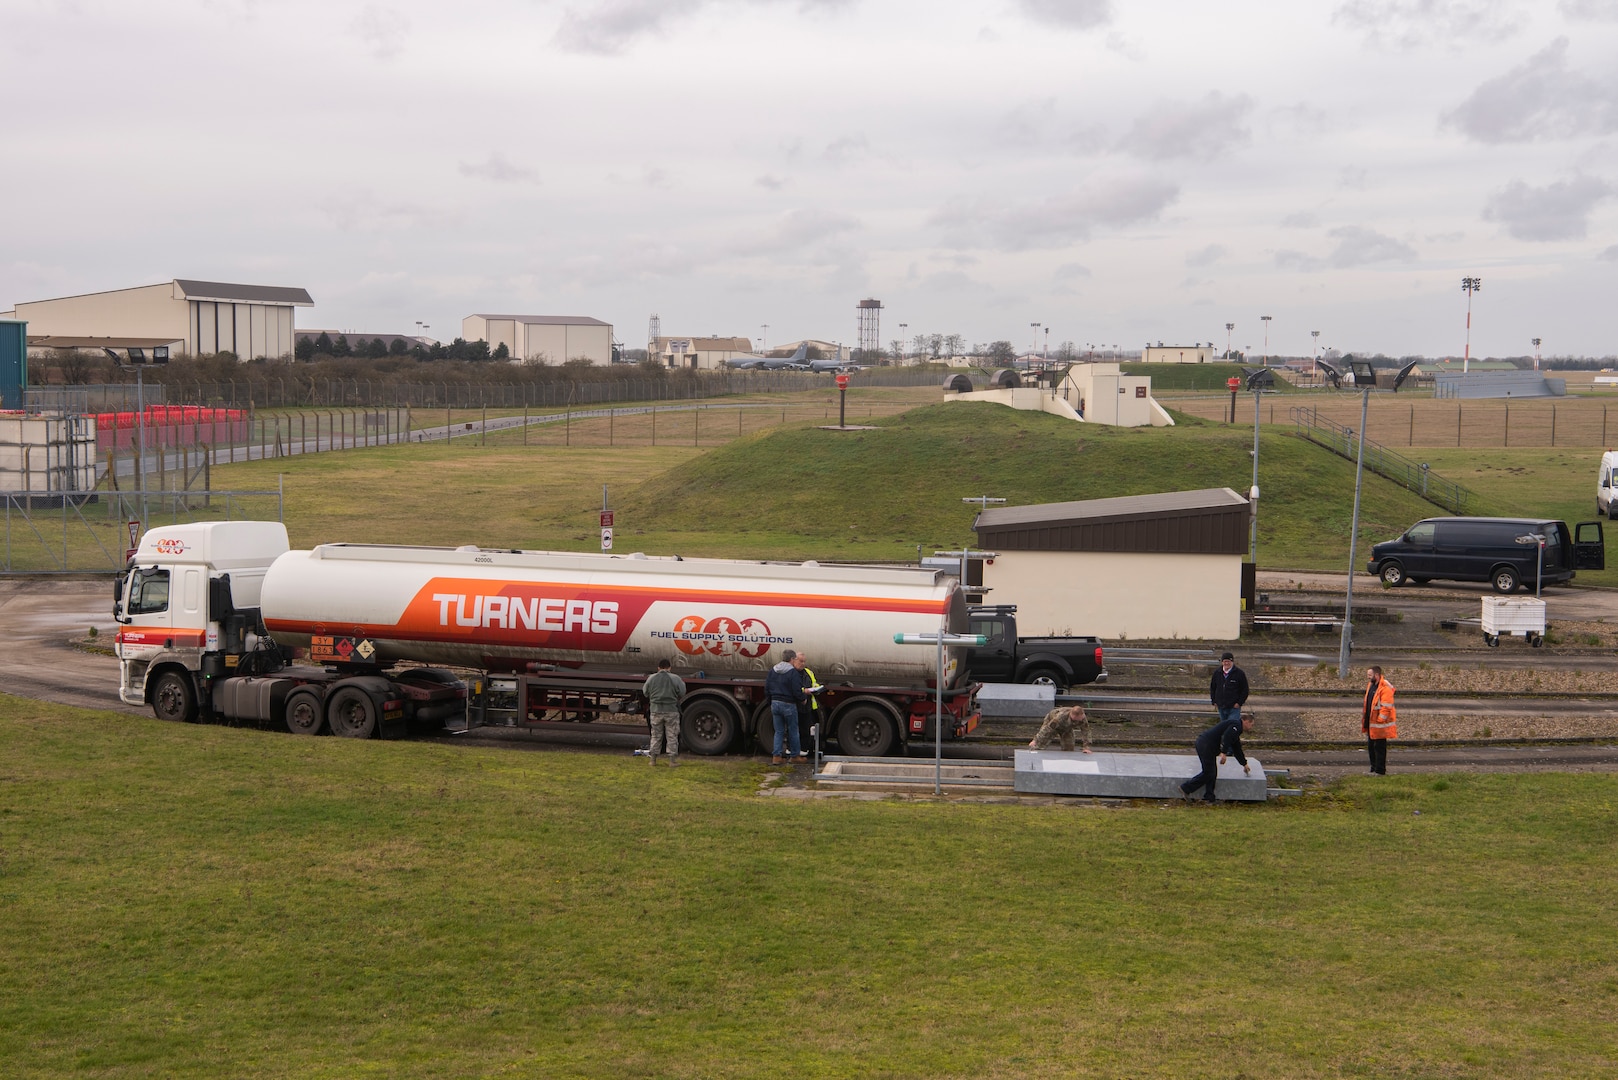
pixel 303 713
pixel 866 731
pixel 707 726
pixel 351 713
pixel 1045 676
pixel 1504 580
pixel 1393 575
pixel 173 697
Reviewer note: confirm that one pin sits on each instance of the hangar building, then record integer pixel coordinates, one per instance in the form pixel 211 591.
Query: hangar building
pixel 191 317
pixel 556 339
pixel 1167 565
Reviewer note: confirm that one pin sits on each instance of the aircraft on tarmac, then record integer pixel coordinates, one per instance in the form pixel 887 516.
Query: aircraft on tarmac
pixel 837 363
pixel 752 362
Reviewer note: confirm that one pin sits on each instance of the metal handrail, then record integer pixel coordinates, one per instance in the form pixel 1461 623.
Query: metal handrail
pixel 1408 474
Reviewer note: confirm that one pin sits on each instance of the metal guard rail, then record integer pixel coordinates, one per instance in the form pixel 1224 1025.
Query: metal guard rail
pixel 1379 459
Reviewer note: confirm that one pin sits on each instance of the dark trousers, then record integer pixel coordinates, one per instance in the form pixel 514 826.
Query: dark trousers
pixel 1378 751
pixel 1208 756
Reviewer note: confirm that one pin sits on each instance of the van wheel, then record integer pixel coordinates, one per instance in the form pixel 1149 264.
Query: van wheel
pixel 1393 575
pixel 1504 580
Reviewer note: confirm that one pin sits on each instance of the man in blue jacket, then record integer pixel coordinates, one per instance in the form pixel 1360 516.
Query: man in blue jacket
pixel 785 686
pixel 1222 739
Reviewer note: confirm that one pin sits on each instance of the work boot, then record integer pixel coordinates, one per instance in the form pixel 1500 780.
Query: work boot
pixel 674 762
pixel 776 760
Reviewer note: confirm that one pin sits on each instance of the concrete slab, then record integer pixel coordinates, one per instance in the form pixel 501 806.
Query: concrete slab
pixel 1016 699
pixel 1130 776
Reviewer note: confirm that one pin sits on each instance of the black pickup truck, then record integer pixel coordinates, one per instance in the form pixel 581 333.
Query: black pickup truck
pixel 1056 661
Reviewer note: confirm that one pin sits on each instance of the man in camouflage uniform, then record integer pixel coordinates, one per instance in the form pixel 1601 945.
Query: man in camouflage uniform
pixel 663 690
pixel 1059 724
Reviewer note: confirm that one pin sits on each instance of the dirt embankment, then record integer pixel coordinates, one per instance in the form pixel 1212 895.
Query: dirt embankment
pixel 1600 678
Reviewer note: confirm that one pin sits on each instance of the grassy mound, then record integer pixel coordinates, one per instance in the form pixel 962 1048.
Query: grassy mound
pixel 1201 377
pixel 877 494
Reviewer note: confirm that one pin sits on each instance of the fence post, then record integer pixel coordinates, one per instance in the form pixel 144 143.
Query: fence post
pixel 1508 425
pixel 1553 425
pixel 1457 423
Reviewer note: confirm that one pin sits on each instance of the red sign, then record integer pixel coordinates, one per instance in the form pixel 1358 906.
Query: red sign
pixel 606 519
pixel 842 382
pixel 1233 383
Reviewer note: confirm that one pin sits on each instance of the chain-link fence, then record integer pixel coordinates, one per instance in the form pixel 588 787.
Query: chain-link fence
pixel 73 532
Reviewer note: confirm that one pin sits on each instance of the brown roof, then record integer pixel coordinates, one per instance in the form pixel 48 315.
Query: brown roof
pixel 545 320
pixel 261 294
pixel 1210 521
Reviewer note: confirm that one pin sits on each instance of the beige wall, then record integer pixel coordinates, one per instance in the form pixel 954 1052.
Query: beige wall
pixel 1177 354
pixel 1111 397
pixel 556 342
pixel 248 330
pixel 149 311
pixel 1119 596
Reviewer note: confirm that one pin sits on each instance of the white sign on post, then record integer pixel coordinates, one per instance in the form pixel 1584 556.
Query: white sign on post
pixel 606 539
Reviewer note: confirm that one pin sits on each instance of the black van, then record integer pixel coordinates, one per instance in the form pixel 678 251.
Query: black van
pixel 1501 551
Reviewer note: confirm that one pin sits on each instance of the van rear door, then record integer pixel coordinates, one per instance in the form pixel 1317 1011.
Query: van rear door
pixel 1589 546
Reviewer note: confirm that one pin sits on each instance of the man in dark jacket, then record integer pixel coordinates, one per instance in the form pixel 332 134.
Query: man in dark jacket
pixel 1228 688
pixel 1223 738
pixel 784 684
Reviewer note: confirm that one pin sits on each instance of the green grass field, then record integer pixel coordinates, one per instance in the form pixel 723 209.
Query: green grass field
pixel 206 901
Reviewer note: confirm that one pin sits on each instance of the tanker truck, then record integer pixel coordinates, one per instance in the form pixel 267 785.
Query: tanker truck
pixel 222 620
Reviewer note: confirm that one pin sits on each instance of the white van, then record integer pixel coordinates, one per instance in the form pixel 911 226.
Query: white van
pixel 1607 485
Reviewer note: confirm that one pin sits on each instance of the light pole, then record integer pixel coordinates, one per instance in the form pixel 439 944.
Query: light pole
pixel 1035 346
pixel 1353 538
pixel 1252 541
pixel 1265 319
pixel 902 342
pixel 1536 353
pixel 1469 285
pixel 1316 335
pixel 763 337
pixel 1230 326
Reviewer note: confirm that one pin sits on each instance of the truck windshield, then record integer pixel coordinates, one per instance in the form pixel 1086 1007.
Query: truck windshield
pixel 149 592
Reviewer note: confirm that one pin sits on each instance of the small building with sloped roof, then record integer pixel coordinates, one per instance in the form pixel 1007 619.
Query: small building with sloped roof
pixel 192 317
pixel 1166 565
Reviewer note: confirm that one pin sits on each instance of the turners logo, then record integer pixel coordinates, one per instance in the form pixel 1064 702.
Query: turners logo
pixel 695 635
pixel 170 547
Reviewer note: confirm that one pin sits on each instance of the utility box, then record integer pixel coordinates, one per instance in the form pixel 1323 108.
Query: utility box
pixel 1506 615
pixel 13 363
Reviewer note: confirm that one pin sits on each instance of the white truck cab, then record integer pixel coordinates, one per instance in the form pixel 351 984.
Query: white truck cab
pixel 168 603
pixel 1607 485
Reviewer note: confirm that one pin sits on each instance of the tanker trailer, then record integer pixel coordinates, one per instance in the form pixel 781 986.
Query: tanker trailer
pixel 565 638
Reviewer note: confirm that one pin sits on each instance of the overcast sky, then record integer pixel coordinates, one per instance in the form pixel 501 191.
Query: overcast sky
pixel 1119 171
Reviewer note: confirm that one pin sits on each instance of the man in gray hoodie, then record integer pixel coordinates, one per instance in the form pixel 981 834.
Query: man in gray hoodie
pixel 663 690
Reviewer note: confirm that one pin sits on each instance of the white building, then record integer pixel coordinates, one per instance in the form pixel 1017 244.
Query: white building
pixel 192 318
pixel 1177 354
pixel 698 353
pixel 553 339
pixel 1167 565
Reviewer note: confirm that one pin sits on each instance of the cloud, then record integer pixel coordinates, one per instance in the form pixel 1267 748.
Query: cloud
pixel 1068 271
pixel 1591 10
pixel 845 149
pixel 499 170
pixel 1541 99
pixel 769 182
pixel 1201 130
pixel 1074 14
pixel 608 27
pixel 1356 246
pixel 1557 211
pixel 1353 178
pixel 1301 219
pixel 794 231
pixel 1207 256
pixel 1056 221
pixel 1127 47
pixel 1610 254
pixel 383 30
pixel 951 281
pixel 1410 24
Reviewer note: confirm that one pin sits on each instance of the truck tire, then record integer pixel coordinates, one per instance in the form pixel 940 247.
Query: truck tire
pixel 173 697
pixel 708 725
pixel 351 713
pixel 1393 575
pixel 1504 580
pixel 303 714
pixel 1045 675
pixel 866 731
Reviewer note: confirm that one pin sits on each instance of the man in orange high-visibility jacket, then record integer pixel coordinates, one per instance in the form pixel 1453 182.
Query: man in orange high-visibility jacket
pixel 1380 721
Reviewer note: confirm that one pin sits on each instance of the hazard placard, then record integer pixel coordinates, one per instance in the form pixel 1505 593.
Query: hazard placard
pixel 606 539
